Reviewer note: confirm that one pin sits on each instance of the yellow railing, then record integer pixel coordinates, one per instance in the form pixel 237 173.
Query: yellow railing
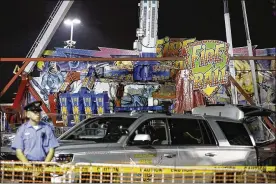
pixel 14 172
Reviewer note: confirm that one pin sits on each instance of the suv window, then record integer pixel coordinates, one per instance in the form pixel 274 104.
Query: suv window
pixel 236 133
pixel 190 132
pixel 156 128
pixel 108 130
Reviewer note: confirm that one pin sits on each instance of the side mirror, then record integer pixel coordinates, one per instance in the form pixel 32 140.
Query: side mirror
pixel 144 138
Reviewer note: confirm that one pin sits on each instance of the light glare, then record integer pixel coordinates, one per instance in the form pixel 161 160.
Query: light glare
pixel 76 21
pixel 70 22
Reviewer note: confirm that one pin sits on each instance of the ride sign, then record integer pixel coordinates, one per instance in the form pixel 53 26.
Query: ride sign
pixel 208 61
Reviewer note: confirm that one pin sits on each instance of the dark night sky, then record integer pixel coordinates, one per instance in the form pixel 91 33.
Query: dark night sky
pixel 113 23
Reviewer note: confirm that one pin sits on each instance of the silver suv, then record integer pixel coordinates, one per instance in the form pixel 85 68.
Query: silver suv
pixel 211 135
pixel 209 138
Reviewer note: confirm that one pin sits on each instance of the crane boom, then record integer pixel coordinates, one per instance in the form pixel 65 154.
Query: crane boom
pixel 48 31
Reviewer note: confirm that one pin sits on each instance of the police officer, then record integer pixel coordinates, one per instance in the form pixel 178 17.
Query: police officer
pixel 34 140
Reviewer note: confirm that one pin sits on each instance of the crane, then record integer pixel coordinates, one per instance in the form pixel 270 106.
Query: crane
pixel 47 32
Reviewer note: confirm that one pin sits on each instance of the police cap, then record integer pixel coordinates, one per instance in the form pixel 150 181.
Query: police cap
pixel 34 106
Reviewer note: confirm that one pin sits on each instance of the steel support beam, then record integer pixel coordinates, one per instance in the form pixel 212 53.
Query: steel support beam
pixel 14 78
pixel 48 31
pixel 128 59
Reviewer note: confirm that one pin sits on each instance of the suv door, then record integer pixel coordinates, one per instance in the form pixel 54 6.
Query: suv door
pixel 195 141
pixel 155 152
pixel 240 149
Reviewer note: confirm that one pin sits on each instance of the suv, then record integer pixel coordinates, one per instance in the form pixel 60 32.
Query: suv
pixel 209 138
pixel 212 135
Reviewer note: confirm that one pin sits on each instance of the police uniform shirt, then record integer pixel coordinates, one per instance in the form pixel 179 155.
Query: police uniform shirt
pixel 35 142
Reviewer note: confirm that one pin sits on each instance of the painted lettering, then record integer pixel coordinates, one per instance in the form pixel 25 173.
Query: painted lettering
pixel 208 60
pixel 195 55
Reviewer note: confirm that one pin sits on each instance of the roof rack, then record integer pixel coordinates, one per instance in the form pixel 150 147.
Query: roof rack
pixel 228 111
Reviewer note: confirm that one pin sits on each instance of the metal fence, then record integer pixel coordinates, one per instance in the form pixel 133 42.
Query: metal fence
pixel 35 172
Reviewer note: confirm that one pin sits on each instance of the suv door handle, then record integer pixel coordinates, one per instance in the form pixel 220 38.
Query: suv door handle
pixel 169 155
pixel 210 154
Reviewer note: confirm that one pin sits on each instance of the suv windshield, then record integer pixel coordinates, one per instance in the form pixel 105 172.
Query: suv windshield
pixel 102 130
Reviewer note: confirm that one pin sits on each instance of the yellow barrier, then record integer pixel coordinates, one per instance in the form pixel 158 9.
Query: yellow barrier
pixel 129 169
pixel 123 173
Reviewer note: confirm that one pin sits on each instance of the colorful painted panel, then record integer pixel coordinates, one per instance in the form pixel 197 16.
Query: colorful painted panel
pixel 53 75
pixel 173 47
pixel 208 60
